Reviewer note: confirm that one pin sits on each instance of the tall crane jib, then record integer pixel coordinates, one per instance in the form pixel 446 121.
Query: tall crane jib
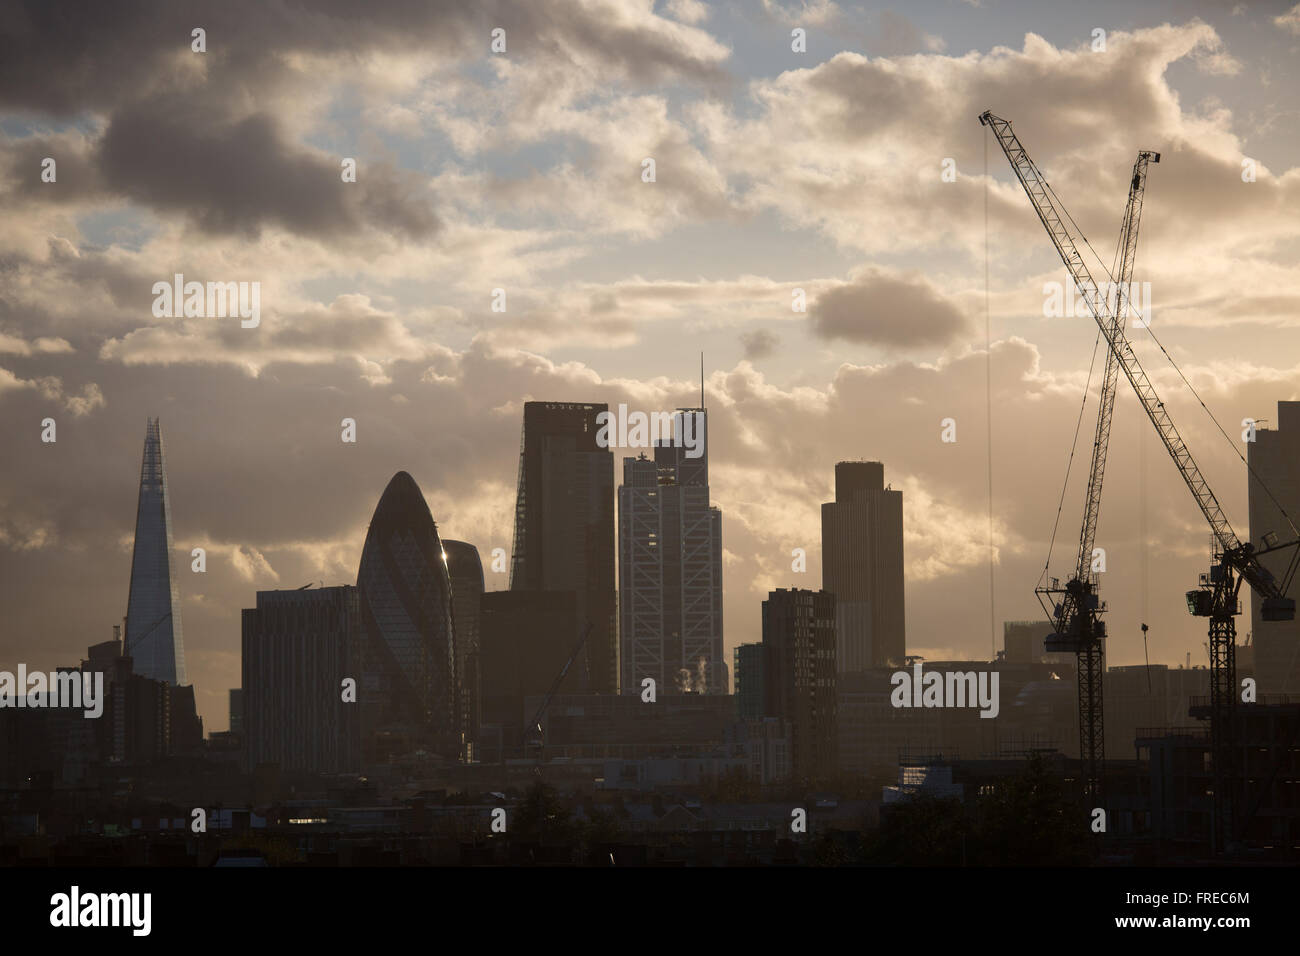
pixel 1235 562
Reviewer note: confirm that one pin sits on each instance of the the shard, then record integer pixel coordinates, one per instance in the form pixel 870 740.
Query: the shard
pixel 153 611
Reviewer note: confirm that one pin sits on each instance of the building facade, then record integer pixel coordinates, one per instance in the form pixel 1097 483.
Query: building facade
pixel 670 568
pixel 564 525
pixel 750 682
pixel 862 565
pixel 409 698
pixel 800 677
pixel 465 569
pixel 525 640
pixel 298 649
pixel 1274 457
pixel 154 636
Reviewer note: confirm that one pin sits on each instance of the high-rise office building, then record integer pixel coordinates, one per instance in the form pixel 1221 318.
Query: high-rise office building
pixel 670 567
pixel 525 640
pixel 466 571
pixel 408 697
pixel 564 526
pixel 298 648
pixel 1274 457
pixel 800 676
pixel 236 710
pixel 862 565
pixel 154 638
pixel 750 682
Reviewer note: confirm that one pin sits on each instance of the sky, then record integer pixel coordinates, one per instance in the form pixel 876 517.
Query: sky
pixel 523 170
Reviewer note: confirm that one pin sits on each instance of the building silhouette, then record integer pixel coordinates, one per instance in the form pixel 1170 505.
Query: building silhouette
pixel 408 695
pixel 564 526
pixel 465 569
pixel 1274 458
pixel 800 676
pixel 751 684
pixel 298 648
pixel 670 568
pixel 862 565
pixel 154 637
pixel 525 638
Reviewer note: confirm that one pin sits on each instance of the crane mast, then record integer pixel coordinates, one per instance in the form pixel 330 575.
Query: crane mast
pixel 1077 612
pixel 1235 563
pixel 1118 314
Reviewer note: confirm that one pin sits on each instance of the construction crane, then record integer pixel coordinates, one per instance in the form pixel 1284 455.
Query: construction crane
pixel 1075 609
pixel 533 734
pixel 1235 562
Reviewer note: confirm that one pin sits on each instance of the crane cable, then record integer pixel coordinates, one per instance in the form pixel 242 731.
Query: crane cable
pixel 1254 474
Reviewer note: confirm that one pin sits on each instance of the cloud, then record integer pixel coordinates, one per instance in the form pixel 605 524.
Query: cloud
pixel 1289 21
pixel 235 177
pixel 143 48
pixel 687 11
pixel 19 533
pixel 882 308
pixel 233 119
pixel 348 329
pixel 51 388
pixel 759 343
pixel 91 397
pixel 17 345
pixel 802 12
pixel 251 565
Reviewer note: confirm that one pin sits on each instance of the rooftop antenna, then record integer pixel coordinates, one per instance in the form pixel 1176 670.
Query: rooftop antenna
pixel 701 381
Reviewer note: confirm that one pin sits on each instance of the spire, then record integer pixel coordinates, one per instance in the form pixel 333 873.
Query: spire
pixel 154 638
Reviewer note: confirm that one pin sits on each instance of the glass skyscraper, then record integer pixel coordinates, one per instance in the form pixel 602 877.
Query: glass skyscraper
pixel 564 526
pixel 408 695
pixel 153 612
pixel 670 569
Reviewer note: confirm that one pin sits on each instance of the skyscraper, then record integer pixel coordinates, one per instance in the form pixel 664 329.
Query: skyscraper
pixel 751 685
pixel 526 638
pixel 154 639
pixel 298 647
pixel 466 572
pixel 799 672
pixel 564 526
pixel 670 568
pixel 1274 456
pixel 408 695
pixel 862 565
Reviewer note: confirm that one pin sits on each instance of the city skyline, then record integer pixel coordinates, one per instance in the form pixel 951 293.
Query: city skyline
pixel 380 310
pixel 614 434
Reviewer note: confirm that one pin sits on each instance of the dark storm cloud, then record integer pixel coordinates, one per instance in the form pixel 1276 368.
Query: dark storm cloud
pixel 887 310
pixel 65 56
pixel 235 177
pixel 202 136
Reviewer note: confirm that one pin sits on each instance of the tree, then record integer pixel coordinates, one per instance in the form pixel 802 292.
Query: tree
pixel 542 815
pixel 1030 820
